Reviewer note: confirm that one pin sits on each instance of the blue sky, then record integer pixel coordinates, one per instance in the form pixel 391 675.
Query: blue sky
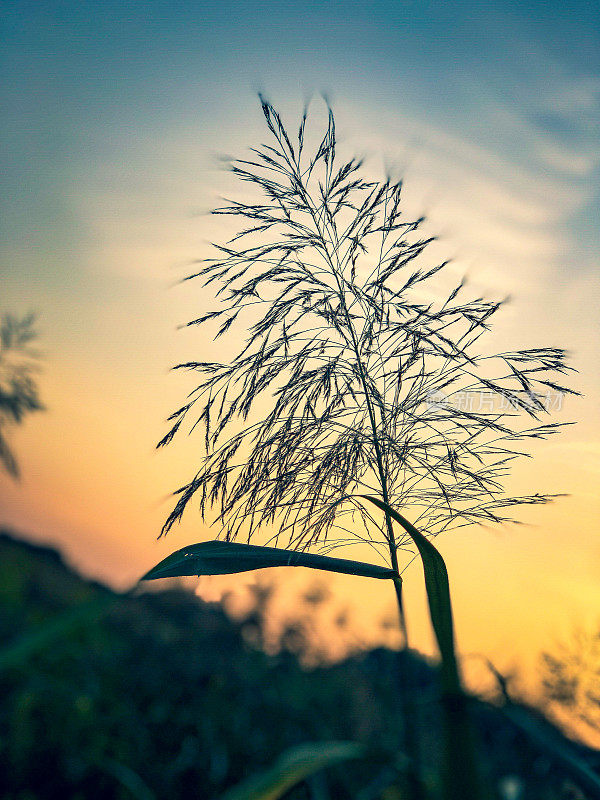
pixel 83 82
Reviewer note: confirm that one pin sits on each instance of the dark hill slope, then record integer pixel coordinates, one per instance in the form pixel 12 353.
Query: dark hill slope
pixel 158 695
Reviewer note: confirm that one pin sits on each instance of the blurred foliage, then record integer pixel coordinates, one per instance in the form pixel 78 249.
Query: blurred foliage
pixel 164 696
pixel 292 767
pixel 18 390
pixel 571 677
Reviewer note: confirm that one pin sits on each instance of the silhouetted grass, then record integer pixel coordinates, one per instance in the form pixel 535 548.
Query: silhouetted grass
pixel 357 363
pixel 351 386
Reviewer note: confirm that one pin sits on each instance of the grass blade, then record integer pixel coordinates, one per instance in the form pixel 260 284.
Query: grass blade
pixel 461 778
pixel 438 593
pixel 293 766
pixel 223 558
pixel 555 749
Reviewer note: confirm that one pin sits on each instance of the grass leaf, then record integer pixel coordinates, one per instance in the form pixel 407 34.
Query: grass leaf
pixel 555 748
pixel 291 767
pixel 224 558
pixel 438 592
pixel 461 778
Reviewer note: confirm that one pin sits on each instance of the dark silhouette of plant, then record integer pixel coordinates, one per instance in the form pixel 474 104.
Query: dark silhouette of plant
pixel 18 390
pixel 358 381
pixel 359 377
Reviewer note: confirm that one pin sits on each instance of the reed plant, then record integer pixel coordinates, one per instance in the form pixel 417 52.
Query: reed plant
pixel 355 395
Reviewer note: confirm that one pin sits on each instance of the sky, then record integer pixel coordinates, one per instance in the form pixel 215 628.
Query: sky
pixel 115 118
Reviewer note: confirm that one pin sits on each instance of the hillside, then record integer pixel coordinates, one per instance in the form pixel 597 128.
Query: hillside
pixel 159 695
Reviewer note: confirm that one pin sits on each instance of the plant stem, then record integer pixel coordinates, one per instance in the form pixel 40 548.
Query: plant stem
pixel 461 778
pixel 415 787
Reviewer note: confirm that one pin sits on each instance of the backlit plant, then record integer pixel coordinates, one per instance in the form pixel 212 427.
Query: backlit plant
pixel 346 400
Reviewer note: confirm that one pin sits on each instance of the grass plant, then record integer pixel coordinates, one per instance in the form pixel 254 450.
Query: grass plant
pixel 350 398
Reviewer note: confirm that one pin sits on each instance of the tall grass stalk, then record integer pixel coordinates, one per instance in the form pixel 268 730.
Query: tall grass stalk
pixel 352 379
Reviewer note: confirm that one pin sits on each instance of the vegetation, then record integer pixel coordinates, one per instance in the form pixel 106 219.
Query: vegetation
pixel 348 393
pixel 357 363
pixel 163 696
pixel 571 677
pixel 18 390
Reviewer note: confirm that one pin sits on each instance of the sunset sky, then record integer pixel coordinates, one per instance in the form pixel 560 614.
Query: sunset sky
pixel 115 116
